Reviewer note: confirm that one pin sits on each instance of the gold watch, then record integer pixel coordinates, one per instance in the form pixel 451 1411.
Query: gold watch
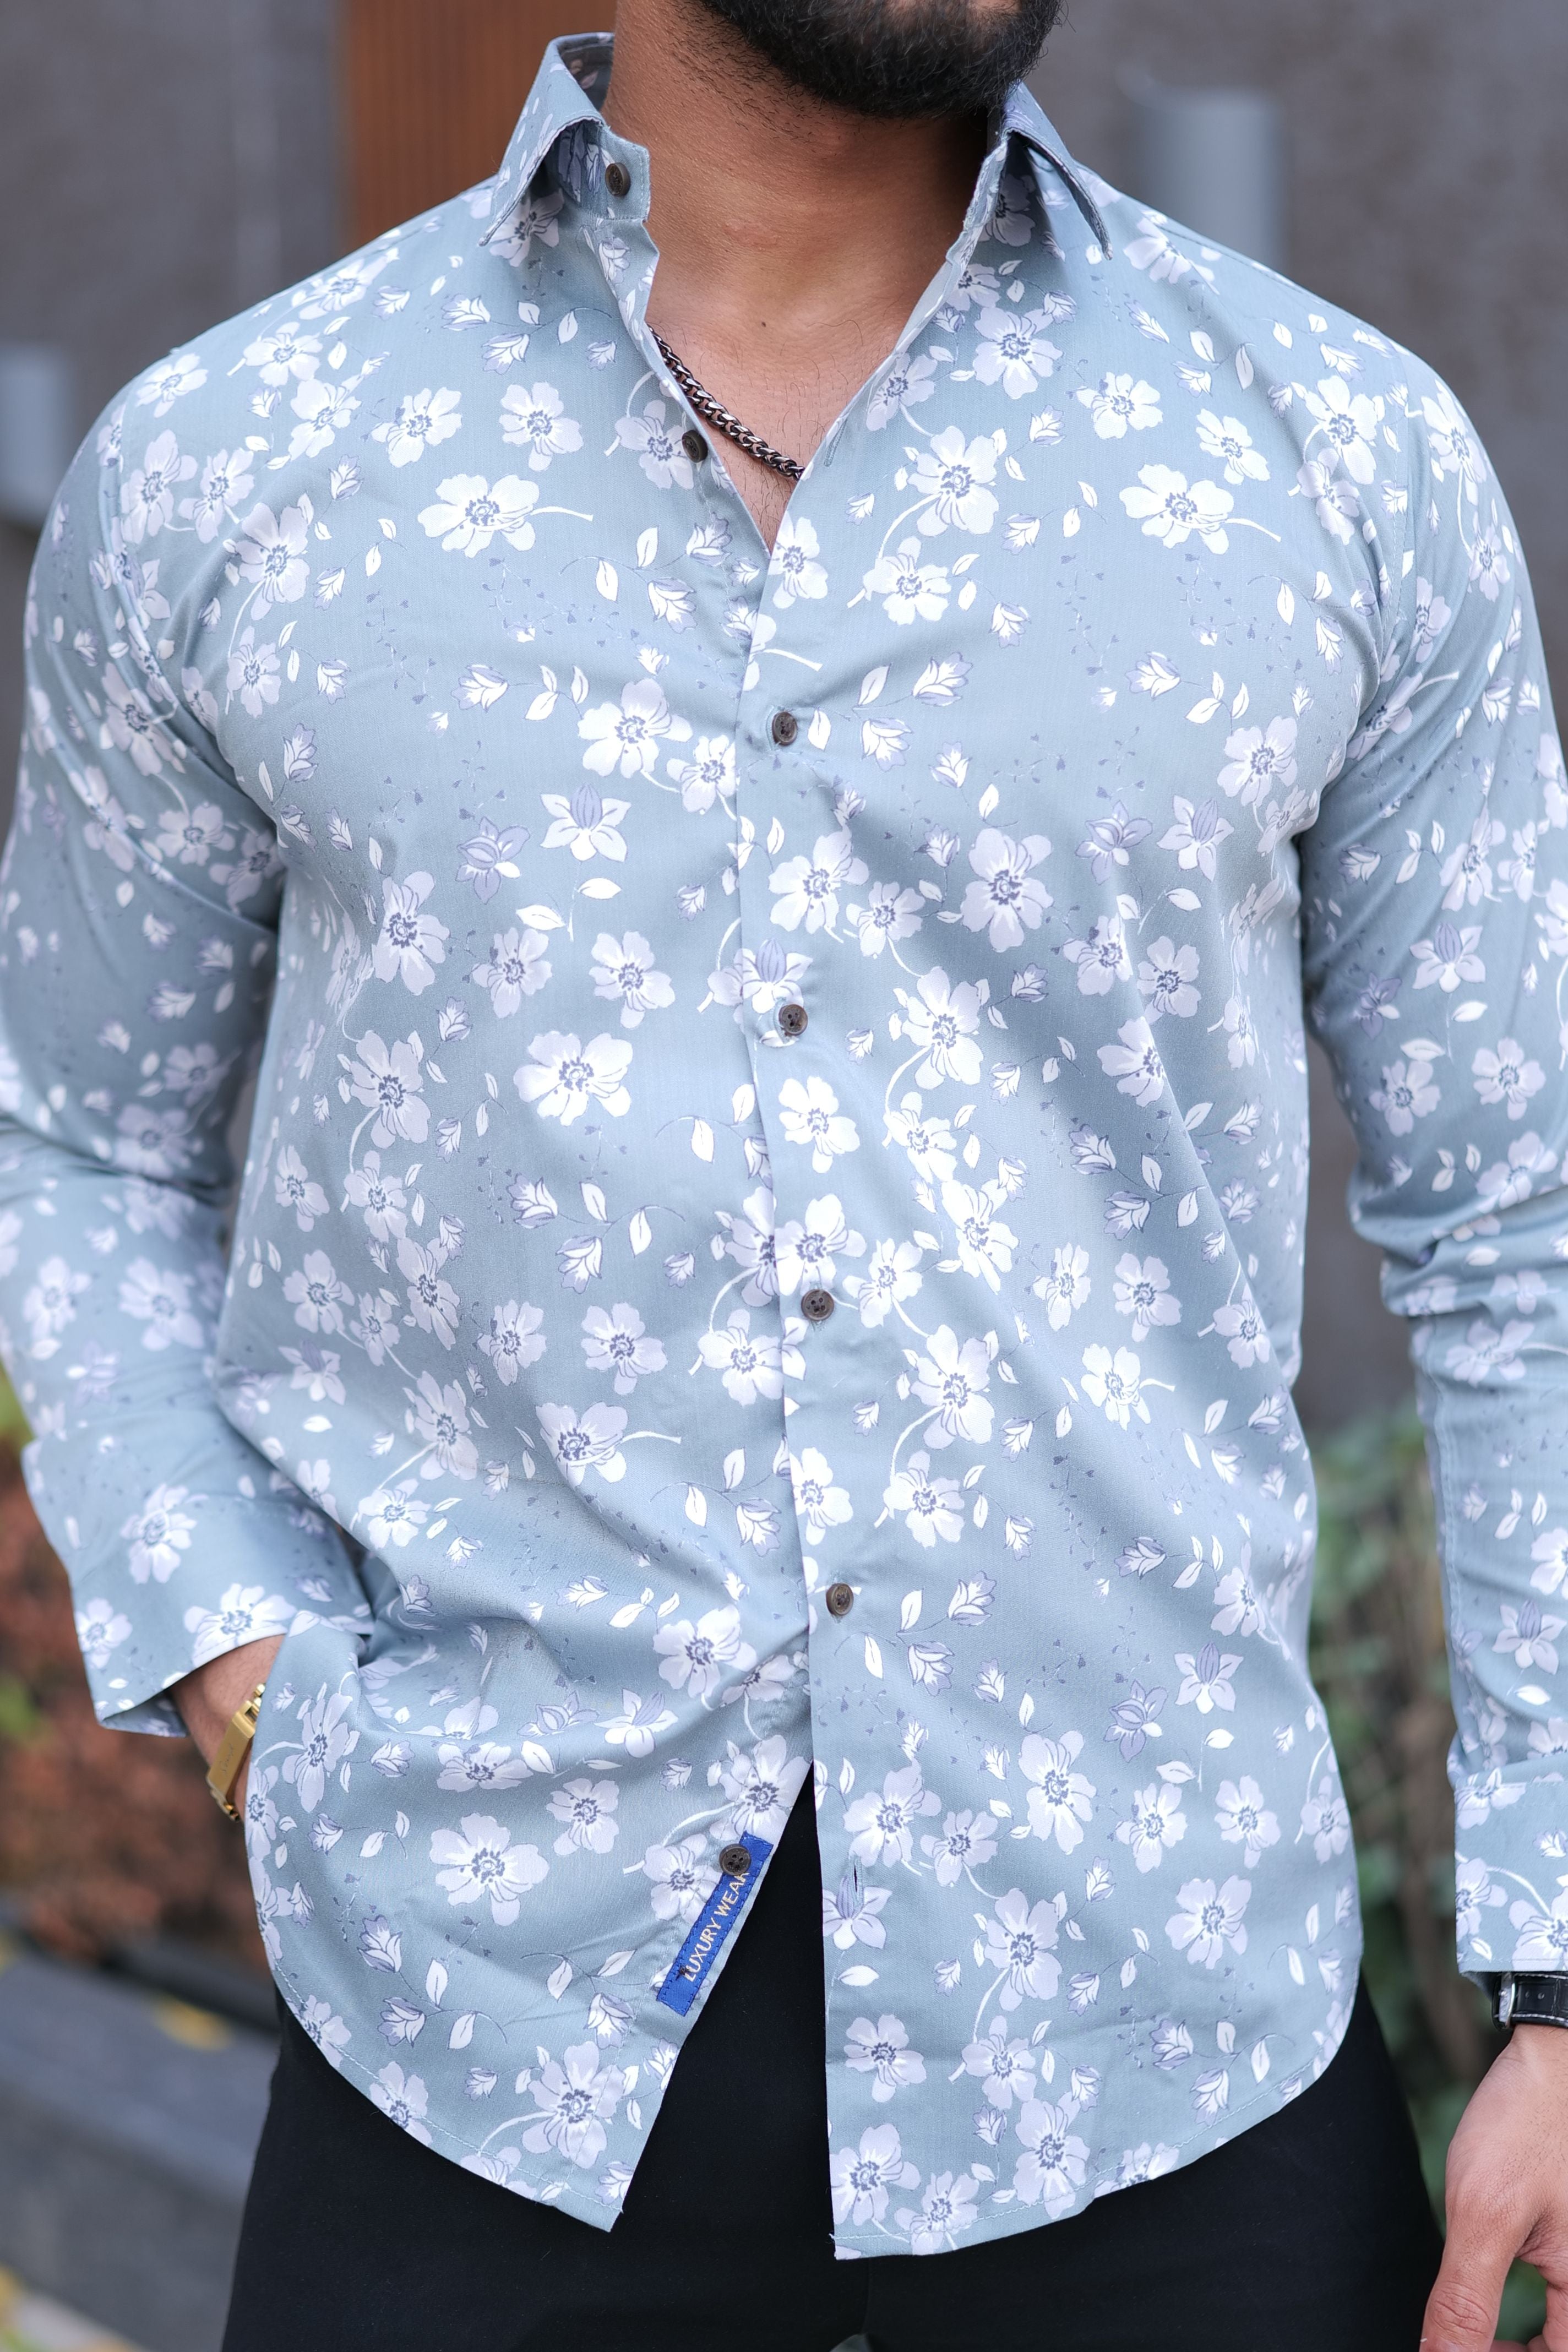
pixel 232 1750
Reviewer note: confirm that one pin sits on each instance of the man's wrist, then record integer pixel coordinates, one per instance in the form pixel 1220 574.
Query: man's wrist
pixel 207 1698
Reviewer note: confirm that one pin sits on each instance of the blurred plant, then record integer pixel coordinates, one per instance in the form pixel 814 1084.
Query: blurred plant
pixel 1379 1662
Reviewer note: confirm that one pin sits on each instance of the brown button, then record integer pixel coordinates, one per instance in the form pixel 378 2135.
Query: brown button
pixel 693 444
pixel 817 1306
pixel 618 179
pixel 734 1860
pixel 786 727
pixel 840 1600
pixel 793 1019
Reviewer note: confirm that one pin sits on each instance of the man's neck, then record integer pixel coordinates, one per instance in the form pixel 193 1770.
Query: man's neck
pixel 795 238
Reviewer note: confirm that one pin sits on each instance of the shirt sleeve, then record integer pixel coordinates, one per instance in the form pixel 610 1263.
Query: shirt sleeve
pixel 139 901
pixel 1435 933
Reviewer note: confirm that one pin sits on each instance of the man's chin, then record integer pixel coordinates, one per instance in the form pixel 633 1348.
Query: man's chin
pixel 897 59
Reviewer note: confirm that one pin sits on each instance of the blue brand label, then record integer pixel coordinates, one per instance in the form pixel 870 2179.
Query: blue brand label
pixel 717 1915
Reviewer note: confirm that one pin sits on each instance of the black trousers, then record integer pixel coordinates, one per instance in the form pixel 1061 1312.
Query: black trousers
pixel 1311 2232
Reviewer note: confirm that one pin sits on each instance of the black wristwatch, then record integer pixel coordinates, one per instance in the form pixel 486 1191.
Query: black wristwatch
pixel 1529 2000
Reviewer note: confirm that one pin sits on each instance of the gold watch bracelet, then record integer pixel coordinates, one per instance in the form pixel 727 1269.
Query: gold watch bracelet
pixel 232 1752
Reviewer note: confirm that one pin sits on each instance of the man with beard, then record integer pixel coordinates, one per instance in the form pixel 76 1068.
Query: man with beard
pixel 722 1177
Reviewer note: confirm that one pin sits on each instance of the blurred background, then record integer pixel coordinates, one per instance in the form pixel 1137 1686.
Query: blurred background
pixel 165 162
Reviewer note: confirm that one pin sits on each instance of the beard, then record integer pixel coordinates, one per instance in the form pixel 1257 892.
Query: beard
pixel 898 60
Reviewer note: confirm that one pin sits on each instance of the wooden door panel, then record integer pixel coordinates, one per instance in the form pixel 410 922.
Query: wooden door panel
pixel 431 89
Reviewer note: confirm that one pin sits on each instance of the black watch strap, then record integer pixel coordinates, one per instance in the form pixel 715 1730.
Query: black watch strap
pixel 1529 2000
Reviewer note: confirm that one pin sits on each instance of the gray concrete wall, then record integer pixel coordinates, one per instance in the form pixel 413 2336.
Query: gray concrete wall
pixel 162 163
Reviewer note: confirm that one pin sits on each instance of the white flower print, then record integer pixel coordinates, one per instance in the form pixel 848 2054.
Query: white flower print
pixel 1020 1943
pixel 910 588
pixel 1348 423
pixel 411 942
pixel 173 379
pixel 954 476
pixel 1166 974
pixel 1013 350
pixel 1142 1290
pixel 807 888
pixel 586 1441
pixel 953 1378
pixel 1155 1824
pixel 750 1362
pixel 1060 1798
pixel 1005 901
pixel 1507 1076
pixel 1134 1063
pixel 567 1076
pixel 163 1302
pixel 881 1829
pixel 822 1506
pixel 1325 1819
pixel 1115 1383
pixel 587 824
pixel 930 1506
pixel 624 737
pixel 479 1864
pixel 798 573
pixel 404 2100
pixel 518 966
pixel 681 1879
pixel 254 673
pixel 1259 760
pixel 158 1533
pixel 625 969
pixel 272 557
pixel 1228 439
pixel 1243 1819
pixel 1004 2062
pixel 1120 405
pixel 587 1809
pixel 810 1117
pixel 882 2051
pixel 1171 512
pixel 244 1612
pixel 617 1341
pixel 423 420
pixel 941 1020
pixel 389 1081
pixel 707 776
pixel 862 2178
pixel 659 446
pixel 536 420
pixel 700 1657
pixel 100 1628
pixel 1208 1919
pixel 326 1741
pixel 1067 1286
pixel 469 511
pixel 947 2206
pixel 574 2097
pixel 1055 2159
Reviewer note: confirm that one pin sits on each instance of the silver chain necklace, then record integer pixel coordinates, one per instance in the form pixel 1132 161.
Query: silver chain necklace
pixel 724 419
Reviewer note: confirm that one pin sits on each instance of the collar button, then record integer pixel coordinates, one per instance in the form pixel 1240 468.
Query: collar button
pixel 618 179
pixel 693 444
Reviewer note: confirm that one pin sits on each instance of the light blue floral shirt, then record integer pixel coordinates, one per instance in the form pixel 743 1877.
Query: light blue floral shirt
pixel 771 1234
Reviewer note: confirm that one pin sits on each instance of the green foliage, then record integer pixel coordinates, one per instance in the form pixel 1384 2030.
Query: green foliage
pixel 1379 1662
pixel 14 1430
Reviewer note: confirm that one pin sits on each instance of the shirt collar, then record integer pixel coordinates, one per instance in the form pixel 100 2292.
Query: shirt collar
pixel 570 86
